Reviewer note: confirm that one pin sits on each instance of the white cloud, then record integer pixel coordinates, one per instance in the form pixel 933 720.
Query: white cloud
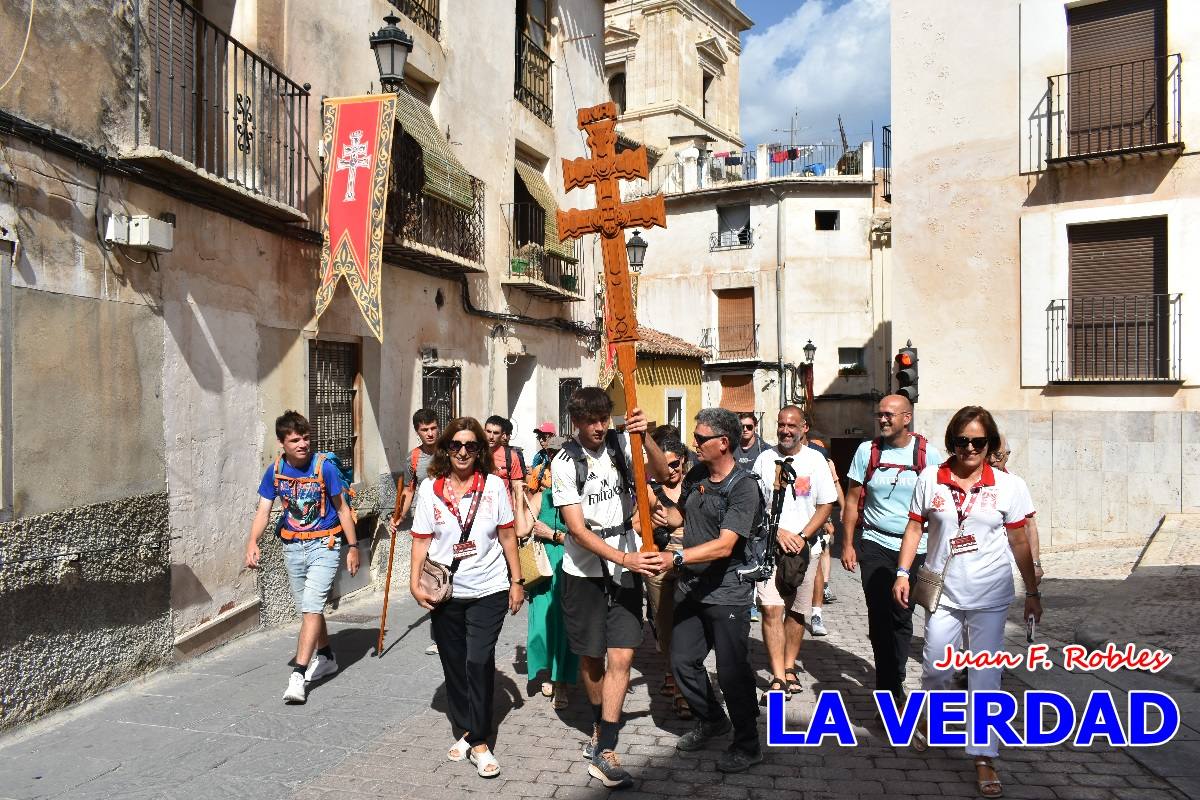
pixel 821 60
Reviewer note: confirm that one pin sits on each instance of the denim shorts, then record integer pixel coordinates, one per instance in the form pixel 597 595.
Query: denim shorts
pixel 311 567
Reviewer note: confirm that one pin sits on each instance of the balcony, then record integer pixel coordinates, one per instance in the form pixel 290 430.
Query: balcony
pixel 535 265
pixel 731 342
pixel 814 160
pixel 731 240
pixel 1117 110
pixel 1128 338
pixel 217 116
pixel 427 232
pixel 535 85
pixel 423 13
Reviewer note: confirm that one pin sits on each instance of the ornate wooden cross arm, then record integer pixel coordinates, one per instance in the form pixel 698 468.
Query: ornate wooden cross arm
pixel 605 169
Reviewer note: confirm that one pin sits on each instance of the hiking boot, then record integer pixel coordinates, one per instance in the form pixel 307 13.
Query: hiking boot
pixel 608 770
pixel 818 626
pixel 296 694
pixel 698 736
pixel 589 747
pixel 736 760
pixel 320 667
pixel 828 594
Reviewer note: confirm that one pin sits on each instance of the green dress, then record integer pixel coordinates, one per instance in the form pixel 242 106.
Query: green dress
pixel 547 648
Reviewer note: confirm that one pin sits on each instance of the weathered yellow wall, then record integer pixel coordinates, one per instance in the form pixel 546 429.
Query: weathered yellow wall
pixel 656 375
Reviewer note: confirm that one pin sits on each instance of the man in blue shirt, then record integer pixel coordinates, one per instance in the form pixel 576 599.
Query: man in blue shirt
pixel 316 520
pixel 886 471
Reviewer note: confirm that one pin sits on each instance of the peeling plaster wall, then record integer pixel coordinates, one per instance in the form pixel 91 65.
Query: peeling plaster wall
pixel 69 629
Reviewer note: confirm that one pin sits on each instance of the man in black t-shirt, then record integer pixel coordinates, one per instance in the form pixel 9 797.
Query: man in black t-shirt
pixel 721 504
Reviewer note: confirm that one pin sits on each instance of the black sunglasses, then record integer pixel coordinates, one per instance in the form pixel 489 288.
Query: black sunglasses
pixel 701 439
pixel 455 446
pixel 674 464
pixel 749 427
pixel 977 442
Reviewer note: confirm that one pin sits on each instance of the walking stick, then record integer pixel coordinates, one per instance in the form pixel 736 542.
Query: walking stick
pixel 387 586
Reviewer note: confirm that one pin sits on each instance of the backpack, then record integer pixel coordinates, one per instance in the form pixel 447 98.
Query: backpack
pixel 414 458
pixel 317 476
pixel 757 555
pixel 874 464
pixel 612 444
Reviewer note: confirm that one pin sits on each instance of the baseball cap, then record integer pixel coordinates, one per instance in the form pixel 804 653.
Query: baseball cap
pixel 546 427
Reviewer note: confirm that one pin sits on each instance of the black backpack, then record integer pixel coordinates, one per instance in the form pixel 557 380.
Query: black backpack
pixel 612 444
pixel 758 543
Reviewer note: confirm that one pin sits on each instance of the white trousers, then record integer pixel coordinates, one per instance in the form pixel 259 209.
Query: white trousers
pixel 985 631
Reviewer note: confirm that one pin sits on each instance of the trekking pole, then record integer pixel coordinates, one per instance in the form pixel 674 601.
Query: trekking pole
pixel 387 585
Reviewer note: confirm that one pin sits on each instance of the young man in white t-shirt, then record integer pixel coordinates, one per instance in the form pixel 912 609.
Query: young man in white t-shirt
pixel 602 565
pixel 806 507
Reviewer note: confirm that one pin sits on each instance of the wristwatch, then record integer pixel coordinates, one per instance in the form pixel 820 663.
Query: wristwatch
pixel 677 559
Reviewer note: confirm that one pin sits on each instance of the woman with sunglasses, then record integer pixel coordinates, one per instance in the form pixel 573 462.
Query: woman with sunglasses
pixel 547 649
pixel 660 588
pixel 976 517
pixel 464 519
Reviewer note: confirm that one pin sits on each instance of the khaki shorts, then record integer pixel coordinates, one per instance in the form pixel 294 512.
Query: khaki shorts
pixel 801 602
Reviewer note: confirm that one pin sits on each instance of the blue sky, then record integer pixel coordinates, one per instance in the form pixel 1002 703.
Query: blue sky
pixel 815 59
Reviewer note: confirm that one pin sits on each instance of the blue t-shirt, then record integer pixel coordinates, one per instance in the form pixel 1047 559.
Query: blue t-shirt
pixel 303 506
pixel 890 491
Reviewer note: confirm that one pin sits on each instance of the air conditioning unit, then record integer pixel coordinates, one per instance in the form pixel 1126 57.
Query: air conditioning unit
pixel 141 232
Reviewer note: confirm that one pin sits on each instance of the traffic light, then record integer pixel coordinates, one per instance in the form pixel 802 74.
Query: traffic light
pixel 906 372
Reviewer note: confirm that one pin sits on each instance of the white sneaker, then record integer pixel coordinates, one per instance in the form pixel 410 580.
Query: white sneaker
pixel 319 667
pixel 296 693
pixel 818 626
pixel 431 650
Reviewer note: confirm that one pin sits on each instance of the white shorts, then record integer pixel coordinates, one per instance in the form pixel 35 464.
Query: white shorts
pixel 801 602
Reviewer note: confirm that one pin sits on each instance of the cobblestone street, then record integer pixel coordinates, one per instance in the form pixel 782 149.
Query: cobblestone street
pixel 215 727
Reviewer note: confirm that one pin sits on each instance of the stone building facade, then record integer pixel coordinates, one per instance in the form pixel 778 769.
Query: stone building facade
pixel 1046 211
pixel 138 390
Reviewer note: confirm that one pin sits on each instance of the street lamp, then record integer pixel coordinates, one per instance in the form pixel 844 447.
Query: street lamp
pixel 391 46
pixel 635 248
pixel 810 352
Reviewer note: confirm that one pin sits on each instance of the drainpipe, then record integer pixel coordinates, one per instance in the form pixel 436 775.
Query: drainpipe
pixel 779 231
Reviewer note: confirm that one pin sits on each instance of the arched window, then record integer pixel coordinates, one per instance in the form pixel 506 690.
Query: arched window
pixel 616 91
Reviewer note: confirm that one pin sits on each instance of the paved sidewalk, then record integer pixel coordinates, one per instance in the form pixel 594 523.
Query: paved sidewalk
pixel 215 728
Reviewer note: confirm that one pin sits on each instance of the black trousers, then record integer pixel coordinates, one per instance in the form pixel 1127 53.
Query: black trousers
pixel 698 629
pixel 890 627
pixel 466 632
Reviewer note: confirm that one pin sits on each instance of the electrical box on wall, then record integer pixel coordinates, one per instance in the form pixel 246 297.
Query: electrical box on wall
pixel 141 232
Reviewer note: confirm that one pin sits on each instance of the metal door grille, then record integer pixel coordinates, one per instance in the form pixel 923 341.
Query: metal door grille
pixel 440 388
pixel 566 388
pixel 332 370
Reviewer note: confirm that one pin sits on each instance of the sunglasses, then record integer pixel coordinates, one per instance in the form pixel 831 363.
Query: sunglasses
pixel 888 414
pixel 749 427
pixel 701 439
pixel 674 464
pixel 472 448
pixel 976 442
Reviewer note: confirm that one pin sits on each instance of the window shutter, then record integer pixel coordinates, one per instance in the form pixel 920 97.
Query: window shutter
pixel 735 323
pixel 737 393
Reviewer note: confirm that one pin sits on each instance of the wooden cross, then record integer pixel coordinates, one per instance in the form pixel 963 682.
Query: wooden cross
pixel 353 158
pixel 606 168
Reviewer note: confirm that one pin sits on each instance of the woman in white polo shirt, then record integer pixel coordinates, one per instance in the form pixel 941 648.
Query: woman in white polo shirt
pixel 978 514
pixel 462 497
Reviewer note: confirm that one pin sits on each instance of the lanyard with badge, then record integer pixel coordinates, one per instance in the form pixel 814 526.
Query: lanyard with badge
pixel 465 546
pixel 964 542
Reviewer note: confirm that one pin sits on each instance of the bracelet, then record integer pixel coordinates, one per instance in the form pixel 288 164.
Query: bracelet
pixel 1037 564
pixel 901 572
pixel 1033 594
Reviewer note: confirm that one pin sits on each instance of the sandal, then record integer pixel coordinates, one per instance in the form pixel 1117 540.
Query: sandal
pixel 668 687
pixel 458 751
pixel 988 788
pixel 682 709
pixel 560 700
pixel 547 689
pixel 793 683
pixel 777 685
pixel 486 765
pixel 920 737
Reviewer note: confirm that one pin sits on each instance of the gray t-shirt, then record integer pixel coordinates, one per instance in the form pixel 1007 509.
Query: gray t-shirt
pixel 414 478
pixel 746 456
pixel 716 582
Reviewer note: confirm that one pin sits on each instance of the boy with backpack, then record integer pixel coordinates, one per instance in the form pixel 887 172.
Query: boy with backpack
pixel 882 478
pixel 316 521
pixel 425 424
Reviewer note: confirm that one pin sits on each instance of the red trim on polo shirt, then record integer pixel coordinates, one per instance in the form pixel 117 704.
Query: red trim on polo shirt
pixel 1012 526
pixel 416 535
pixel 986 478
pixel 916 518
pixel 502 527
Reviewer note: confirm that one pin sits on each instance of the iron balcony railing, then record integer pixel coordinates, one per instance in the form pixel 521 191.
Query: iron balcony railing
pixel 731 239
pixel 886 161
pixel 415 216
pixel 1112 109
pixel 422 12
pixel 527 253
pixel 740 165
pixel 731 342
pixel 209 100
pixel 813 160
pixel 1114 338
pixel 535 85
pixel 664 178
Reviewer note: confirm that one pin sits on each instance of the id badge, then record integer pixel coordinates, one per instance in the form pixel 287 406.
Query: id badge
pixel 964 543
pixel 465 549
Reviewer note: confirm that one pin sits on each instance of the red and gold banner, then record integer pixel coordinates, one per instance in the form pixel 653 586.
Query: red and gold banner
pixel 358 146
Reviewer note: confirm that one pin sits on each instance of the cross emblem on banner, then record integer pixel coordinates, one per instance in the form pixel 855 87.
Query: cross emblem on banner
pixel 353 158
pixel 605 169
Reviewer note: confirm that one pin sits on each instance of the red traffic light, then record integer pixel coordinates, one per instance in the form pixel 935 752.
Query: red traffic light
pixel 905 359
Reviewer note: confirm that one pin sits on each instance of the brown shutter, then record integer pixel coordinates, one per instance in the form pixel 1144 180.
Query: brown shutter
pixel 737 392
pixel 1115 92
pixel 735 324
pixel 1118 307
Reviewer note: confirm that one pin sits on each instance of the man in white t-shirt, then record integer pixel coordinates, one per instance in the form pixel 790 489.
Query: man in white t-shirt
pixel 602 567
pixel 806 506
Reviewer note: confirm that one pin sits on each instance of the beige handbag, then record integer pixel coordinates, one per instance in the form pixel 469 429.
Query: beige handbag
pixel 535 564
pixel 926 586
